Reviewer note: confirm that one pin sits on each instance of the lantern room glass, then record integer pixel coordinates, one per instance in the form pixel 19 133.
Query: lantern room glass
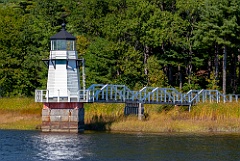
pixel 63 45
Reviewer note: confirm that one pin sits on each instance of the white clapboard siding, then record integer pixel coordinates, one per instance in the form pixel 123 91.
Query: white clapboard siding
pixel 60 87
pixel 64 78
pixel 73 77
pixel 51 79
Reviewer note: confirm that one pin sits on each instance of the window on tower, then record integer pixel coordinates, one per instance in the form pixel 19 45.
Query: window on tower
pixel 62 45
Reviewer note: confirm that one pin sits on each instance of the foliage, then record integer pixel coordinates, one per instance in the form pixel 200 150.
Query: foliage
pixel 157 78
pixel 131 42
pixel 212 82
pixel 193 85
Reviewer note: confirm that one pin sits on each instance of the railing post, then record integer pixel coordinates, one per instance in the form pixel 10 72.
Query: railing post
pixel 140 96
pixel 106 93
pixel 103 94
pixel 68 92
pixel 88 95
pixel 115 93
pixel 204 95
pixel 36 96
pixel 181 98
pixel 189 98
pixel 165 95
pixel 58 95
pixel 111 92
pixel 124 94
pixel 47 95
pixel 41 98
pixel 174 97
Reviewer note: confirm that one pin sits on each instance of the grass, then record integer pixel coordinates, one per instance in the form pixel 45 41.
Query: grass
pixel 207 117
pixel 24 113
pixel 19 113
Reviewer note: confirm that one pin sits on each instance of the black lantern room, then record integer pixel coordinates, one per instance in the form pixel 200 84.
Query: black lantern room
pixel 63 40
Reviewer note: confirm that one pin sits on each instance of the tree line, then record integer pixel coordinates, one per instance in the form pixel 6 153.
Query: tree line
pixel 185 44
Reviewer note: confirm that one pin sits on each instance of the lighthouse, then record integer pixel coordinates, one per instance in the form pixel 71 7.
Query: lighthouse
pixel 63 99
pixel 63 71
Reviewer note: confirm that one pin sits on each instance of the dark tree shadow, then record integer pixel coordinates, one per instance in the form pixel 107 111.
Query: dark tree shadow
pixel 100 123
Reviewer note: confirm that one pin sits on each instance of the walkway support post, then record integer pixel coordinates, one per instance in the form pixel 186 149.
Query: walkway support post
pixel 140 111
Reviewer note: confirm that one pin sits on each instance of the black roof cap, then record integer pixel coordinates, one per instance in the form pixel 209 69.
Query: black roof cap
pixel 63 35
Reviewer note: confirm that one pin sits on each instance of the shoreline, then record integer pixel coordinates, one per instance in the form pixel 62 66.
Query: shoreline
pixel 128 124
pixel 25 114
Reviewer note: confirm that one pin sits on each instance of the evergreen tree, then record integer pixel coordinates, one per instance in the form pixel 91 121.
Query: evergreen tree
pixel 219 26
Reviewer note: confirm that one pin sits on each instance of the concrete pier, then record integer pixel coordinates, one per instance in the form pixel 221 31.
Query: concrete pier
pixel 62 117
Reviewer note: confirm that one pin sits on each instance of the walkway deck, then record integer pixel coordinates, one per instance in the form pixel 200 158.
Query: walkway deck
pixel 109 93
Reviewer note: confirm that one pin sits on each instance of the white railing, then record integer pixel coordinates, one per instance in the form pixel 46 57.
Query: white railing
pixel 71 55
pixel 58 55
pixel 79 96
pixel 63 55
pixel 148 95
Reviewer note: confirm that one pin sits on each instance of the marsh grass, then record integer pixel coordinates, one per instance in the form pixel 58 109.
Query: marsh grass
pixel 101 116
pixel 207 117
pixel 19 113
pixel 24 113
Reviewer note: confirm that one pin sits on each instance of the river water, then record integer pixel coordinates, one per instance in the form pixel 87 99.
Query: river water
pixel 89 146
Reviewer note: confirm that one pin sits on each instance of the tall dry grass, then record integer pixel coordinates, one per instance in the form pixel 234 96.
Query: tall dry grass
pixel 208 117
pixel 101 116
pixel 19 113
pixel 24 113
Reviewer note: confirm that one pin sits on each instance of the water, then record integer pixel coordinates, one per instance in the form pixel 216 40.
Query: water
pixel 35 145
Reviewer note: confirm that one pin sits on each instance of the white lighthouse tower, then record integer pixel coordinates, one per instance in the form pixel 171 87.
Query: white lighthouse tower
pixel 63 70
pixel 63 99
